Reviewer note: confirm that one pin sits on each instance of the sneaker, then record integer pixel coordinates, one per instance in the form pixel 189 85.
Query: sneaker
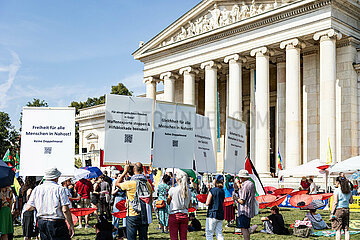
pixel 80 226
pixel 88 226
pixel 263 231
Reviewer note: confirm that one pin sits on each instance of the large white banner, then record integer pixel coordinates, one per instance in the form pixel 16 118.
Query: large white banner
pixel 128 129
pixel 174 135
pixel 204 151
pixel 47 140
pixel 235 145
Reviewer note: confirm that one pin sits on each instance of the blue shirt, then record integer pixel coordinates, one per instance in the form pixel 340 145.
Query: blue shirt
pixel 343 199
pixel 229 192
pixel 216 208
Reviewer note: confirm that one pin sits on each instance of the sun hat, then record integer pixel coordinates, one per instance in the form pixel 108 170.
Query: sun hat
pixel 243 174
pixel 219 178
pixel 52 173
pixel 63 179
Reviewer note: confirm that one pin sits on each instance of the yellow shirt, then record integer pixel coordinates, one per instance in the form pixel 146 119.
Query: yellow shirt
pixel 130 188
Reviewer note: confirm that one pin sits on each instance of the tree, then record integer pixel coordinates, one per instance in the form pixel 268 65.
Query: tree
pixel 9 137
pixel 35 103
pixel 120 89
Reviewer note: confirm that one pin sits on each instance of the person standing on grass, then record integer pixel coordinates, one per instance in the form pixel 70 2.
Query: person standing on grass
pixel 340 214
pixel 245 199
pixel 229 211
pixel 84 187
pixel 215 212
pixel 163 190
pixel 179 201
pixel 29 225
pixel 52 205
pixel 136 222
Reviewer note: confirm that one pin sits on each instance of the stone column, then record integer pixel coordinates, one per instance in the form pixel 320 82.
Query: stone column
pixel 211 98
pixel 293 105
pixel 252 114
pixel 169 86
pixel 280 107
pixel 327 91
pixel 150 87
pixel 189 85
pixel 235 85
pixel 262 134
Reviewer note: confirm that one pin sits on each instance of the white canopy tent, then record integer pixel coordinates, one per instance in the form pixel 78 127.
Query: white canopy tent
pixel 306 169
pixel 347 166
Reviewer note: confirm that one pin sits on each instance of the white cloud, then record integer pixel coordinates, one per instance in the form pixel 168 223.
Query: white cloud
pixel 12 69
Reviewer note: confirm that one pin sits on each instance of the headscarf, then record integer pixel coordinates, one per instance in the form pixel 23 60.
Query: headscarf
pixel 228 177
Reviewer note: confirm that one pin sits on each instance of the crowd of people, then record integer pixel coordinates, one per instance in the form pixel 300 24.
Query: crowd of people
pixel 43 206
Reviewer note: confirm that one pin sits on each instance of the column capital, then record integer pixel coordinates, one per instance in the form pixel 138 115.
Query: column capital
pixel 234 57
pixel 188 70
pixel 169 75
pixel 356 67
pixel 292 43
pixel 148 80
pixel 262 51
pixel 329 33
pixel 210 64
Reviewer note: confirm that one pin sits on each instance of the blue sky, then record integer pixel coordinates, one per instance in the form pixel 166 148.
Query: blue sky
pixel 63 51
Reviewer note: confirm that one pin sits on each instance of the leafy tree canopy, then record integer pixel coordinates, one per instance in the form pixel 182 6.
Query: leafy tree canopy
pixel 8 135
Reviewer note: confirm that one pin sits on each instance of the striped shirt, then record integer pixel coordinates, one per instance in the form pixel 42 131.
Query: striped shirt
pixel 247 193
pixel 48 200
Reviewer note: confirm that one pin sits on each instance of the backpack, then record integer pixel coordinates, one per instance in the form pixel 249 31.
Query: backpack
pixel 142 193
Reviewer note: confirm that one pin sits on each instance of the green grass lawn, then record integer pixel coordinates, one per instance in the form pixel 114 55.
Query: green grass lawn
pixel 290 215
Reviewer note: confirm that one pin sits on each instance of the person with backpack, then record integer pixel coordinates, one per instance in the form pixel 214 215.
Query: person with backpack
pixel 179 200
pixel 139 199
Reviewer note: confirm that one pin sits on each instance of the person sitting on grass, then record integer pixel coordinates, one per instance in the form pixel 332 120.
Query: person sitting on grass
pixel 316 220
pixel 274 223
pixel 195 224
pixel 103 229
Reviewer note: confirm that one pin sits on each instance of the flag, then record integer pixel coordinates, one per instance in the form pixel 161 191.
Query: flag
pixel 17 161
pixel 329 155
pixel 7 157
pixel 280 163
pixel 17 186
pixel 254 177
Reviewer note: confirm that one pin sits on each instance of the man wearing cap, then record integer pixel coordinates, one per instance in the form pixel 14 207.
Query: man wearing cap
pixel 245 198
pixel 52 206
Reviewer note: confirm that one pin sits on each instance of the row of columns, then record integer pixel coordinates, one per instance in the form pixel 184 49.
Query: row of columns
pixel 259 99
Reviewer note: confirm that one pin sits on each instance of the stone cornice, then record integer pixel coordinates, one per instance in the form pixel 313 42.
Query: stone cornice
pixel 240 29
pixel 350 41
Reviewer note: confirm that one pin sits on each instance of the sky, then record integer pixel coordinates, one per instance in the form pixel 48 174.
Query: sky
pixel 64 51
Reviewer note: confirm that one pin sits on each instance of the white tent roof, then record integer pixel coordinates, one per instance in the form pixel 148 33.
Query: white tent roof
pixel 349 165
pixel 306 169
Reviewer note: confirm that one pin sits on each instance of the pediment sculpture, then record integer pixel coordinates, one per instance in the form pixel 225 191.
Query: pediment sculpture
pixel 218 17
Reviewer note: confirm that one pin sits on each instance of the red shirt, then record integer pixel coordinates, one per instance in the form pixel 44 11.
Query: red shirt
pixel 83 188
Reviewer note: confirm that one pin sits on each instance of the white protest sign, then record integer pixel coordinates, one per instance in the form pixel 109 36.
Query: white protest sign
pixel 47 140
pixel 174 135
pixel 128 129
pixel 204 151
pixel 235 141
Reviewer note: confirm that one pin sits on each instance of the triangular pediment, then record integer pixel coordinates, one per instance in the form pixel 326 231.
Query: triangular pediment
pixel 91 136
pixel 207 16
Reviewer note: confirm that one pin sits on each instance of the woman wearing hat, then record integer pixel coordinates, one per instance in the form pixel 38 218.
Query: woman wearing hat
pixel 215 212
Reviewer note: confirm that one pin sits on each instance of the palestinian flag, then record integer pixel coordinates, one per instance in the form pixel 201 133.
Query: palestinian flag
pixel 254 177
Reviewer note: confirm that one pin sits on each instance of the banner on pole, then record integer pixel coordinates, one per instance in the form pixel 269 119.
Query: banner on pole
pixel 47 140
pixel 204 151
pixel 235 147
pixel 174 135
pixel 128 129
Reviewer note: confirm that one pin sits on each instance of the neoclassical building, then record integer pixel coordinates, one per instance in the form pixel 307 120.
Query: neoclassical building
pixel 289 69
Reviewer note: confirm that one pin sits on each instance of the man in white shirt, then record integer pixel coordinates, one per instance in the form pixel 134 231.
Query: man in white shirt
pixel 52 205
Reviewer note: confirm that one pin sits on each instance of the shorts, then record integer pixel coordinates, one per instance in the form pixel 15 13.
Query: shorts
pixel 341 221
pixel 84 203
pixel 243 222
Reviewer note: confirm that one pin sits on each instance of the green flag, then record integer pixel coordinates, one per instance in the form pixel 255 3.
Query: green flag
pixel 7 157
